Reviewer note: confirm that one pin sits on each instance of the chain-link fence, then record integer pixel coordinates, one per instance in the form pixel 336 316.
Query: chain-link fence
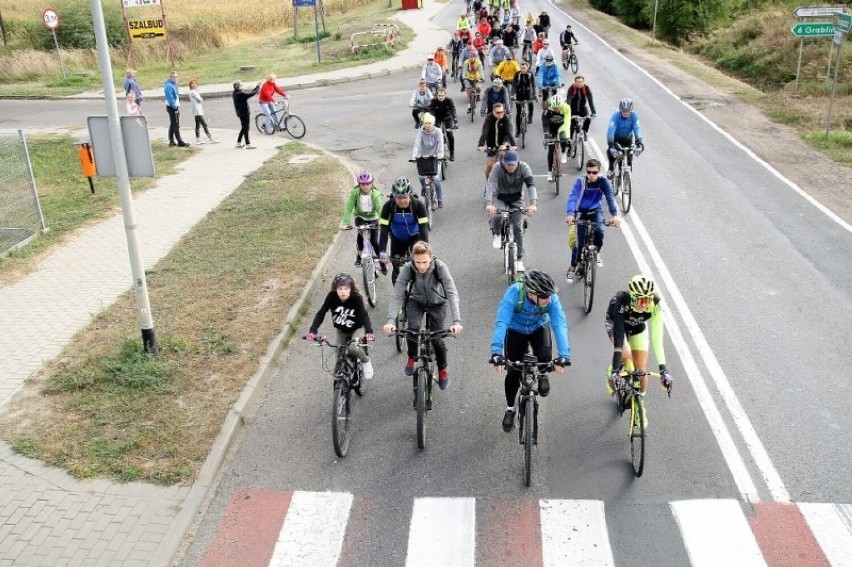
pixel 20 210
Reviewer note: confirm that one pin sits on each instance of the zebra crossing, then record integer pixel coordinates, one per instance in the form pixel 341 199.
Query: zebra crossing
pixel 279 528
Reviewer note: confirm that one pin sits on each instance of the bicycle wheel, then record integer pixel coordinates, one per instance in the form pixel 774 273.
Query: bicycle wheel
pixel 557 168
pixel 579 150
pixel 420 404
pixel 399 338
pixel 637 437
pixel 472 106
pixel 260 123
pixel 589 284
pixel 295 126
pixel 626 191
pixel 529 429
pixel 511 262
pixel 340 418
pixel 427 197
pixel 573 63
pixel 444 167
pixel 368 273
pixel 523 130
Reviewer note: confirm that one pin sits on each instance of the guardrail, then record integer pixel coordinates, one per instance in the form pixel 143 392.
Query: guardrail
pixel 381 34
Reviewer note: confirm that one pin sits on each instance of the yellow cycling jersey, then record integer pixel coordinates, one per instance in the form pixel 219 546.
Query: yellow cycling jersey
pixel 473 70
pixel 508 69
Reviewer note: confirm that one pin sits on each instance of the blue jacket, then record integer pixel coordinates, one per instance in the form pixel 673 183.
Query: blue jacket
pixel 549 75
pixel 622 128
pixel 588 196
pixel 528 320
pixel 171 91
pixel 131 86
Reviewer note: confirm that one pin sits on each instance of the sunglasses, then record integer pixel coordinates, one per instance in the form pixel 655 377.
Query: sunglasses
pixel 592 172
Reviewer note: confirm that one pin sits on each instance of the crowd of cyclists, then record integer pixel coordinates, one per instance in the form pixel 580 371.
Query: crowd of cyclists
pixel 491 42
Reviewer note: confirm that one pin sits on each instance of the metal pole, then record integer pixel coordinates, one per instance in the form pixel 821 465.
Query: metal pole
pixel 799 64
pixel 654 30
pixel 830 50
pixel 316 28
pixel 32 180
pixel 140 286
pixel 833 89
pixel 58 53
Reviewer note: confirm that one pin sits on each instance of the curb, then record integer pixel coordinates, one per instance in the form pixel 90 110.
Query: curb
pixel 246 406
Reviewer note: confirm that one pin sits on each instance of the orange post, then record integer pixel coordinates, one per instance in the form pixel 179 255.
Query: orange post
pixel 87 162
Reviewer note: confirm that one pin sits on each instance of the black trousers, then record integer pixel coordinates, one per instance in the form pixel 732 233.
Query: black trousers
pixel 199 124
pixel 515 347
pixel 174 125
pixel 435 316
pixel 244 128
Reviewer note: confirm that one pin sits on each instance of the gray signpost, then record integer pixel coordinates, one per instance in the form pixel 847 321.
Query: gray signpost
pixel 810 29
pixel 843 23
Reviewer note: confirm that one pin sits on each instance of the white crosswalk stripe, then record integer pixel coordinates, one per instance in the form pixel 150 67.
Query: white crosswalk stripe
pixel 831 524
pixel 312 533
pixel 442 532
pixel 573 532
pixel 716 532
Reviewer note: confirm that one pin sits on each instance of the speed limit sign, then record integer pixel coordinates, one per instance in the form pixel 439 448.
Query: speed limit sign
pixel 50 18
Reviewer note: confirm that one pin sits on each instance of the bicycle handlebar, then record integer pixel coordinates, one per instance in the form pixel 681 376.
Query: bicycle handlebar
pixel 425 333
pixel 510 210
pixel 590 223
pixel 323 340
pixel 540 367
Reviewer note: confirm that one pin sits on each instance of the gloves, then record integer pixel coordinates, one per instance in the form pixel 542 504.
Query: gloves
pixel 592 115
pixel 665 378
pixel 613 152
pixel 497 360
pixel 640 147
pixel 310 336
pixel 383 255
pixel 370 337
pixel 482 113
pixel 562 361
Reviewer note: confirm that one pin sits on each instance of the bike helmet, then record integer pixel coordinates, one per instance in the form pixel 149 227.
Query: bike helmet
pixel 640 286
pixel 546 42
pixel 549 58
pixel 401 187
pixel 365 177
pixel 553 103
pixel 540 283
pixel 625 104
pixel 497 82
pixel 342 279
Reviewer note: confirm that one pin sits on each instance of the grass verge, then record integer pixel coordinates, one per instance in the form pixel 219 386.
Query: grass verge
pixel 104 408
pixel 66 201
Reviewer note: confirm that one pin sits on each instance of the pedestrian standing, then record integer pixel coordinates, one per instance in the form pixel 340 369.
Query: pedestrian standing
pixel 173 108
pixel 132 106
pixel 130 86
pixel 241 108
pixel 198 113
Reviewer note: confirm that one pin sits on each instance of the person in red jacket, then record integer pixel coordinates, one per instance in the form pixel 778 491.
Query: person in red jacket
pixel 267 98
pixel 484 28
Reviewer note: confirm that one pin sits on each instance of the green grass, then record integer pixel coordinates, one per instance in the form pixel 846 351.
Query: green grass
pixel 66 200
pixel 106 408
pixel 837 145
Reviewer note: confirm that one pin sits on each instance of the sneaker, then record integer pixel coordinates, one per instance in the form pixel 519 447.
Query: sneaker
pixel 367 368
pixel 519 266
pixel 440 204
pixel 199 142
pixel 409 367
pixel 610 385
pixel 599 261
pixel 565 157
pixel 238 146
pixel 543 386
pixel 443 379
pixel 172 144
pixel 384 269
pixel 452 156
pixel 496 242
pixel 183 145
pixel 569 275
pixel 358 261
pixel 585 136
pixel 550 176
pixel 250 147
pixel 212 141
pixel 509 420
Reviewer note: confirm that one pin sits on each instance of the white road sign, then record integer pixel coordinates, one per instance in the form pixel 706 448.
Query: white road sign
pixel 818 11
pixel 50 18
pixel 139 3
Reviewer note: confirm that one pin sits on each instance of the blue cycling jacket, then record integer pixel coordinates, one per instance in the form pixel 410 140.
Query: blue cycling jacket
pixel 528 320
pixel 622 128
pixel 549 75
pixel 588 196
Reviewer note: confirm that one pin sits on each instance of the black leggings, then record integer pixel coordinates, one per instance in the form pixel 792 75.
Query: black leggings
pixel 374 235
pixel 435 316
pixel 244 128
pixel 400 248
pixel 515 346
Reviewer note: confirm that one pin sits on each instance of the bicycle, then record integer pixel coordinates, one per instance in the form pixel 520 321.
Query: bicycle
pixel 622 178
pixel 523 121
pixel 427 167
pixel 527 54
pixel 369 260
pixel 474 97
pixel 282 121
pixel 425 374
pixel 556 164
pixel 507 241
pixel 455 66
pixel 401 319
pixel 348 377
pixel 527 414
pixel 628 394
pixel 445 163
pixel 587 261
pixel 569 59
pixel 578 146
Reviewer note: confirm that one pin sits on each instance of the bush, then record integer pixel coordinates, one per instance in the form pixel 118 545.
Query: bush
pixel 677 19
pixel 635 13
pixel 606 6
pixel 76 29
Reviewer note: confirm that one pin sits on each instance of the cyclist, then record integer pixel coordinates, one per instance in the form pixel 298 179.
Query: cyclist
pixel 505 188
pixel 527 37
pixel 626 318
pixel 623 129
pixel 530 308
pixel 480 43
pixel 538 44
pixel 441 61
pixel 580 100
pixel 419 101
pixel 543 53
pixel 364 203
pixel 585 202
pixel 549 79
pixel 466 35
pixel 496 132
pixel 496 30
pixel 266 98
pixel 429 143
pixel 494 94
pixel 524 94
pixel 510 38
pixel 463 23
pixel 403 219
pixel 483 28
pixel 425 286
pixel 556 123
pixel 348 314
pixel 473 77
pixel 444 110
pixel 544 22
pixel 567 41
pixel 498 53
pixel 507 71
pixel 432 74
pixel 456 47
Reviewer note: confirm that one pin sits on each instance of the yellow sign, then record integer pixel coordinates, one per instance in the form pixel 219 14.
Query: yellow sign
pixel 150 28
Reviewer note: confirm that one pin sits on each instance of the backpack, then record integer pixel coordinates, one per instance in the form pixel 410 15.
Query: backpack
pixel 522 295
pixel 410 265
pixel 585 91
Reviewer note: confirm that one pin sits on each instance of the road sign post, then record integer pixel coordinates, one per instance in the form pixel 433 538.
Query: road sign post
pixel 818 11
pixel 51 21
pixel 843 22
pixel 813 29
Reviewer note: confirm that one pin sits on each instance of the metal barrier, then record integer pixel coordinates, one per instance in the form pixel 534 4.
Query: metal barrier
pixel 381 34
pixel 20 210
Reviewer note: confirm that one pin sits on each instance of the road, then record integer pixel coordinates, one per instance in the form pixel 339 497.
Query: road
pixel 756 287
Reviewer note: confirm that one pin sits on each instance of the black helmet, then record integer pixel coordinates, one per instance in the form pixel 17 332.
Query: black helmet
pixel 342 279
pixel 540 283
pixel 401 187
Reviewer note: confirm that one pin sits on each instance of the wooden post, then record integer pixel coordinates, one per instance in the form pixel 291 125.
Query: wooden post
pixel 322 15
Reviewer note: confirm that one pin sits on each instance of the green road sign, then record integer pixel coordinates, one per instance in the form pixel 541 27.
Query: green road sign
pixel 844 22
pixel 813 30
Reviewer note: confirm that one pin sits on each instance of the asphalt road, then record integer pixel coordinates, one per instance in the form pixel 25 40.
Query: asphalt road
pixel 757 289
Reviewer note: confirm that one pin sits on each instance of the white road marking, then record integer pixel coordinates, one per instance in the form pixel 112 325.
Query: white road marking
pixel 831 525
pixel 716 532
pixel 442 532
pixel 573 532
pixel 312 533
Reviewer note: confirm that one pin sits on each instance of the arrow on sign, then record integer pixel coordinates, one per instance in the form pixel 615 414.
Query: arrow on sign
pixel 817 11
pixel 844 21
pixel 822 29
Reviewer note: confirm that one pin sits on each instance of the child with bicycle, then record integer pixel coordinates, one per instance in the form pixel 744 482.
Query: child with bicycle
pixel 585 203
pixel 429 143
pixel 348 314
pixel 425 287
pixel 364 204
